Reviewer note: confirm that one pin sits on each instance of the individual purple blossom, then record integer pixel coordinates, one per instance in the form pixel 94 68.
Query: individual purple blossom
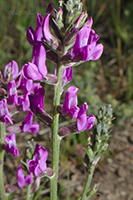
pixel 24 180
pixel 46 32
pixel 38 164
pixel 11 71
pixel 35 36
pixel 28 125
pixel 84 122
pixel 31 71
pixel 31 36
pixel 36 100
pixel 70 104
pixel 39 58
pixel 48 37
pixel 24 89
pixel 67 76
pixel 11 145
pixel 12 90
pixel 4 113
pixel 36 70
pixel 37 107
pixel 85 47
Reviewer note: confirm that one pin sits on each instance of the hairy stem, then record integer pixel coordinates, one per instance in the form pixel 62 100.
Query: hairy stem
pixel 28 192
pixel 2 138
pixel 56 138
pixel 88 181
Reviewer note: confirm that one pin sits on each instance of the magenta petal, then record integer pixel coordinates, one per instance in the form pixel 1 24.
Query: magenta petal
pixel 31 36
pixel 38 34
pixel 39 58
pixel 97 52
pixel 11 145
pixel 4 113
pixel 20 177
pixel 39 20
pixel 67 75
pixel 38 164
pixel 31 71
pixel 46 32
pixel 11 70
pixel 89 22
pixel 27 123
pixel 34 128
pixel 89 122
pixel 36 101
pixel 70 100
pixel 13 97
pixel 81 122
pixel 28 179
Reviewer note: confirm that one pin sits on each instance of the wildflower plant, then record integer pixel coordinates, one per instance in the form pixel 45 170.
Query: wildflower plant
pixel 66 38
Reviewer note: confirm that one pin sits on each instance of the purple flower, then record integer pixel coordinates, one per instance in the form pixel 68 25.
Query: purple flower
pixel 70 104
pixel 13 97
pixel 37 107
pixel 67 76
pixel 46 32
pixel 36 70
pixel 36 100
pixel 38 164
pixel 4 113
pixel 24 180
pixel 31 36
pixel 11 71
pixel 85 47
pixel 84 122
pixel 28 126
pixel 24 87
pixel 39 58
pixel 35 36
pixel 11 145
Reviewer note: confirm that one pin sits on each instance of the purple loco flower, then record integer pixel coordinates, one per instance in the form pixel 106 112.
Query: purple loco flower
pixel 67 76
pixel 38 164
pixel 36 101
pixel 24 180
pixel 70 108
pixel 4 113
pixel 13 97
pixel 84 122
pixel 11 145
pixel 36 70
pixel 35 36
pixel 70 104
pixel 85 47
pixel 28 126
pixel 11 71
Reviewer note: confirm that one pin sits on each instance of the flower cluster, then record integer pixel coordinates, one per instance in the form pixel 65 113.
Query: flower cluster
pixel 67 41
pixel 37 166
pixel 70 108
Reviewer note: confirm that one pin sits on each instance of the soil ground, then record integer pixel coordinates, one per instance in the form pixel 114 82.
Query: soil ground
pixel 114 172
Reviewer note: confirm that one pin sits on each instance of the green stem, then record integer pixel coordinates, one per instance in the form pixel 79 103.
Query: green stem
pixel 2 138
pixel 56 138
pixel 28 192
pixel 88 181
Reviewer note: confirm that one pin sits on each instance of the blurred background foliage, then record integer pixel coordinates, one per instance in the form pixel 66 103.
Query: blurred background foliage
pixel 110 79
